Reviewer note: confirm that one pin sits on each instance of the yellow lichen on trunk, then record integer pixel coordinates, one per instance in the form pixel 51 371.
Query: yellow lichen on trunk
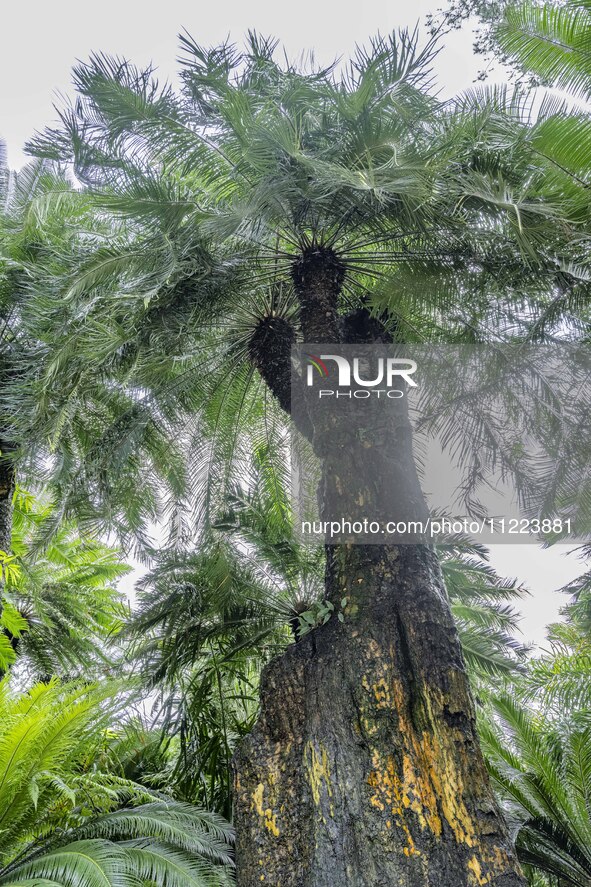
pixel 426 779
pixel 317 768
pixel 266 813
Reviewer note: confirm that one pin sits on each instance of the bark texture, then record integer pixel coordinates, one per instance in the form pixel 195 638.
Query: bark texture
pixel 318 277
pixel 7 485
pixel 364 768
pixel 270 352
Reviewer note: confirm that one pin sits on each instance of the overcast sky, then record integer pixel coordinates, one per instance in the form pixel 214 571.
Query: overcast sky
pixel 40 40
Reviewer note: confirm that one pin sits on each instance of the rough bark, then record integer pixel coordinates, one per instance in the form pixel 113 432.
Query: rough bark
pixel 7 485
pixel 270 352
pixel 318 277
pixel 364 767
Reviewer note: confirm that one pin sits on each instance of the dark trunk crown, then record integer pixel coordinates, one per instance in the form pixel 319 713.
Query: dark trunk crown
pixel 318 266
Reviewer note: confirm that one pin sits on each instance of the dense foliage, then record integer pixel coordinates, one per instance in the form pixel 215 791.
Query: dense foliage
pixel 66 819
pixel 147 256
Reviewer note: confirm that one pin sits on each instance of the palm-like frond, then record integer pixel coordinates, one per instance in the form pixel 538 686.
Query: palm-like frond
pixel 483 605
pixel 542 771
pixel 64 820
pixel 552 41
pixel 64 422
pixel 61 605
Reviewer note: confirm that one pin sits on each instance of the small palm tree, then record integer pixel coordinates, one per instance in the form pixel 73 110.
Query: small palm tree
pixel 61 606
pixel 63 821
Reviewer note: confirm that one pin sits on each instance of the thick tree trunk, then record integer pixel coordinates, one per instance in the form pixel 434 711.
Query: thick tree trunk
pixel 318 276
pixel 364 768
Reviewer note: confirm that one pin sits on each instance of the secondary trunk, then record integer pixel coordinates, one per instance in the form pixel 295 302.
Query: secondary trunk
pixel 7 485
pixel 364 768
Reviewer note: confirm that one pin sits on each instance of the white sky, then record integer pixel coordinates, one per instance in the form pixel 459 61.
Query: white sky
pixel 39 42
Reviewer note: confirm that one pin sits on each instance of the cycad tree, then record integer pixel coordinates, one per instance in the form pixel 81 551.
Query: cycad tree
pixel 266 205
pixel 541 768
pixel 61 607
pixel 65 821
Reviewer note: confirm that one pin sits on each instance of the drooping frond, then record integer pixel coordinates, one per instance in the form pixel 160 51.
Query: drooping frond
pixel 64 819
pixel 552 41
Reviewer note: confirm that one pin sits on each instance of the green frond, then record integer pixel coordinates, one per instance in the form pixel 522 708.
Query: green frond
pixel 65 819
pixel 61 610
pixel 81 864
pixel 552 42
pixel 542 772
pixel 185 827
